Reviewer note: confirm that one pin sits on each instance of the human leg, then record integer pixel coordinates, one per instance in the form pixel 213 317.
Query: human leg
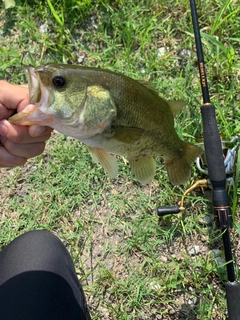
pixel 38 280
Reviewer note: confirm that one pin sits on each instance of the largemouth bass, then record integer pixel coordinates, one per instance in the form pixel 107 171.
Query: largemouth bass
pixel 113 115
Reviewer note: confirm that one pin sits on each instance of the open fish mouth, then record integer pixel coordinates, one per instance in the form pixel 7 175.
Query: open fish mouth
pixel 36 112
pixel 34 84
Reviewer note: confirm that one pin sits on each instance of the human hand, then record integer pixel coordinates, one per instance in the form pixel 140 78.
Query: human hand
pixel 18 143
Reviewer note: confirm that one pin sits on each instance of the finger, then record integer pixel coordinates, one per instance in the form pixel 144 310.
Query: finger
pixel 24 150
pixel 13 96
pixel 9 160
pixel 4 112
pixel 21 134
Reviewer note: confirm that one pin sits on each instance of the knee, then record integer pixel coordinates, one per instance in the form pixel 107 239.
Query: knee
pixel 38 237
pixel 34 250
pixel 39 242
pixel 36 243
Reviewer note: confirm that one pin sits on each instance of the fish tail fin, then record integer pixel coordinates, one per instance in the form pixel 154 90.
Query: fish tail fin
pixel 179 168
pixel 143 169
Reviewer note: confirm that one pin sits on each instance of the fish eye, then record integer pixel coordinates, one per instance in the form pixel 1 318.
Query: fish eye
pixel 58 81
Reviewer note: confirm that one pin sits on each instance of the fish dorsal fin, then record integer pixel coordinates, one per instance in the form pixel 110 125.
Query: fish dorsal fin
pixel 107 161
pixel 148 85
pixel 143 169
pixel 176 106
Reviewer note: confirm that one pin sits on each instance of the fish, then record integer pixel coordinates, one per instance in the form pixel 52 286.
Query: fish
pixel 112 114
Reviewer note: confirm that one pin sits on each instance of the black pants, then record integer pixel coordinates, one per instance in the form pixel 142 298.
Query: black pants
pixel 38 280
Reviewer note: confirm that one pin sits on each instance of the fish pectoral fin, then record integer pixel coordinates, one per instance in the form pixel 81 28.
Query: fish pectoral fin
pixel 127 134
pixel 176 106
pixel 143 169
pixel 107 161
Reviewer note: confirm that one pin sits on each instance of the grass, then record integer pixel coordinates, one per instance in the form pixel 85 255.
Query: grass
pixel 132 264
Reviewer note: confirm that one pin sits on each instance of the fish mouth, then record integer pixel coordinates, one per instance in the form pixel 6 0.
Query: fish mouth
pixel 32 115
pixel 36 113
pixel 34 84
pixel 39 94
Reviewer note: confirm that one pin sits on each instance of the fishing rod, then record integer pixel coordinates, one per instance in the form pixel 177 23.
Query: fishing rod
pixel 217 176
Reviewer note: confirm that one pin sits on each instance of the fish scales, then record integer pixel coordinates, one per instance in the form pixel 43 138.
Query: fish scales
pixel 150 113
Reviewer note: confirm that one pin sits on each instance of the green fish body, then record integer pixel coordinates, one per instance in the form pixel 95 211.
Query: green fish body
pixel 112 114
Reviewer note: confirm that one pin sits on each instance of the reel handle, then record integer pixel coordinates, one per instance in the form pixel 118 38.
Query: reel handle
pixel 165 210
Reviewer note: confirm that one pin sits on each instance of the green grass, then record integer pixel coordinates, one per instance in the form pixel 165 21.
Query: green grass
pixel 132 264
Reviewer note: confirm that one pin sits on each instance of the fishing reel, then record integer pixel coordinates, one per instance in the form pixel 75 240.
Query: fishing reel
pixel 230 152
